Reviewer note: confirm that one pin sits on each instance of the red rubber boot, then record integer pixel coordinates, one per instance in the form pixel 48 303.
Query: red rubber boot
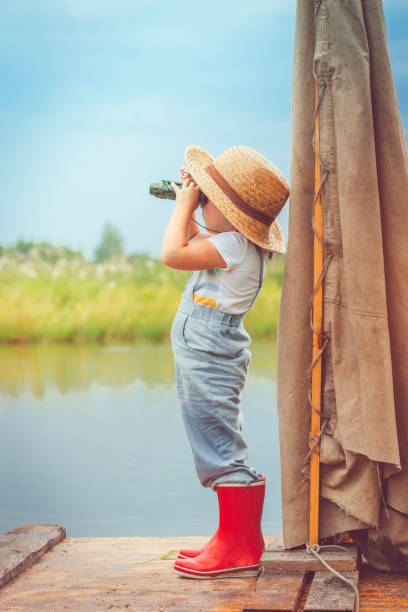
pixel 236 548
pixel 190 553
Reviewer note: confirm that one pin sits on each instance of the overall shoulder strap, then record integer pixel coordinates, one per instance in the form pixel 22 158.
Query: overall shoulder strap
pixel 261 272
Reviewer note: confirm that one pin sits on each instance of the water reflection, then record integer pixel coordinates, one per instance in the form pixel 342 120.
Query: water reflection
pixel 69 367
pixel 94 441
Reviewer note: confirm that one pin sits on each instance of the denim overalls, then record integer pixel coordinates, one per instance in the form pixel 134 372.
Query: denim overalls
pixel 211 359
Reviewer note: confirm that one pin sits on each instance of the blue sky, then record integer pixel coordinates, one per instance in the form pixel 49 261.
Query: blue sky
pixel 99 97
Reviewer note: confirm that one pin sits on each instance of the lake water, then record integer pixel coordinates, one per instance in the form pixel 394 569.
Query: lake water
pixel 91 438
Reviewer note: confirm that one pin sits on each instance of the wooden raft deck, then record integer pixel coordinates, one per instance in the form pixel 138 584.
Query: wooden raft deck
pixel 136 575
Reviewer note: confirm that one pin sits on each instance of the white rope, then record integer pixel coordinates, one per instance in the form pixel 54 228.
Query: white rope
pixel 315 549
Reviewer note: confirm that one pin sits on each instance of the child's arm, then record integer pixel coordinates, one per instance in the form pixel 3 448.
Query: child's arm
pixel 177 251
pixel 194 232
pixel 193 229
pixel 199 235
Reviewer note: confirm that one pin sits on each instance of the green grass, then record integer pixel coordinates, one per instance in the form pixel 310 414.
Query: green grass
pixel 72 300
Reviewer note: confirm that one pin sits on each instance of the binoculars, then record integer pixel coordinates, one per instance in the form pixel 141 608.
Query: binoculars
pixel 163 189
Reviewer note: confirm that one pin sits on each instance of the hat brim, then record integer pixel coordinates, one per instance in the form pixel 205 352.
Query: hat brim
pixel 270 239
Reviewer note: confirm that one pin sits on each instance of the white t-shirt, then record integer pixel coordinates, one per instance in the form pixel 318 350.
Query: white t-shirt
pixel 233 288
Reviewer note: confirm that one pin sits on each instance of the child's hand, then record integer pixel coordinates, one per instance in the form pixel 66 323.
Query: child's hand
pixel 188 195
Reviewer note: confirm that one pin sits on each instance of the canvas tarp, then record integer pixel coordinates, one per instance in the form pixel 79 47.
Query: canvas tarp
pixel 364 445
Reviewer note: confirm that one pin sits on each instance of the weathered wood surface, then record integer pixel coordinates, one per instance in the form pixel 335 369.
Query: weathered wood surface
pixel 136 575
pixel 275 591
pixel 92 574
pixel 382 591
pixel 300 560
pixel 20 548
pixel 329 593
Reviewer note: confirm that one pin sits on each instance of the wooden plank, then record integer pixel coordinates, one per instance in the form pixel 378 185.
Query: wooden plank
pixel 328 593
pixel 20 548
pixel 274 547
pixel 135 574
pixel 300 560
pixel 382 591
pixel 274 542
pixel 100 574
pixel 276 591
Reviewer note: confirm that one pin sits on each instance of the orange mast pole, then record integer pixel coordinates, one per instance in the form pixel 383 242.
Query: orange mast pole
pixel 318 325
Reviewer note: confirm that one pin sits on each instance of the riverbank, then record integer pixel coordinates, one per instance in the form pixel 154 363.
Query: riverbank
pixel 70 299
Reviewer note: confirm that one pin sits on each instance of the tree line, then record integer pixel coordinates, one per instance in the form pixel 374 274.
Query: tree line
pixel 110 245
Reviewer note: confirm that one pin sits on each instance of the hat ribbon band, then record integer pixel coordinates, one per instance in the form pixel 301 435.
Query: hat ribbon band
pixel 236 198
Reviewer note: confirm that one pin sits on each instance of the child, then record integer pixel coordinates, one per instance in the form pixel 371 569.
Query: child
pixel 245 192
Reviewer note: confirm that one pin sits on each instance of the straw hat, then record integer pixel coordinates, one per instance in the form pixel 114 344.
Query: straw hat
pixel 246 187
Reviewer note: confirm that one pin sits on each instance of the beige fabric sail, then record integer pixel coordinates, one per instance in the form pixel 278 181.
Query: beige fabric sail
pixel 365 287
